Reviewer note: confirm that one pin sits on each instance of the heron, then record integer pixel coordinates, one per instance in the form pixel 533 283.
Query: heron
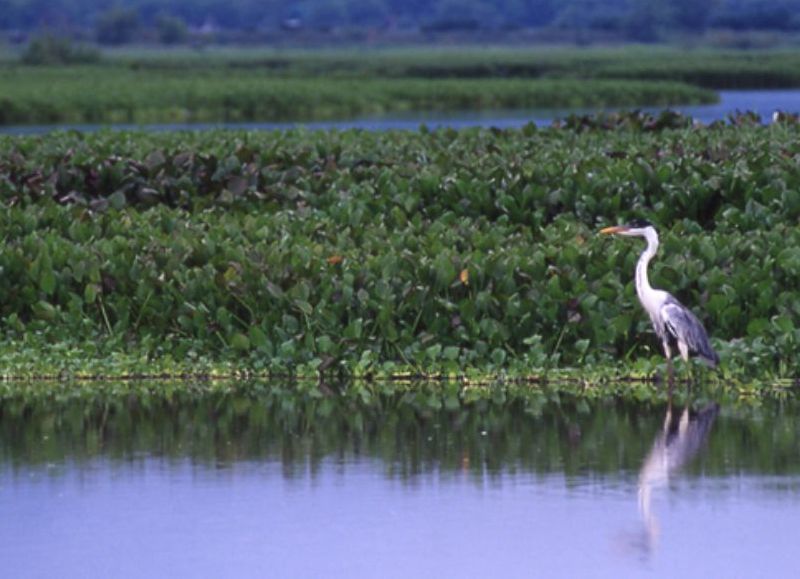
pixel 674 324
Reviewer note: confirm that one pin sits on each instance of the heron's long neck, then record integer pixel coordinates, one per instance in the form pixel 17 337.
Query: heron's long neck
pixel 642 282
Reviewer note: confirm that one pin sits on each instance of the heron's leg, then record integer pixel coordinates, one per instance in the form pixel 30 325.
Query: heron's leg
pixel 670 372
pixel 684 350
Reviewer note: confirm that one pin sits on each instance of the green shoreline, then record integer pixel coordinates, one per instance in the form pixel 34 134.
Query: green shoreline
pixel 164 97
pixel 563 383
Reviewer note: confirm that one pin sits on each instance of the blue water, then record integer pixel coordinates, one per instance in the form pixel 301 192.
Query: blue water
pixel 762 102
pixel 253 483
pixel 157 518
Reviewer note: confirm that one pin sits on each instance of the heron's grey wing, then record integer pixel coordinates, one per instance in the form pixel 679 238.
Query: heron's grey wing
pixel 682 323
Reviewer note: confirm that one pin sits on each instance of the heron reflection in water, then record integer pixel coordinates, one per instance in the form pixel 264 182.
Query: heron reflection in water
pixel 680 439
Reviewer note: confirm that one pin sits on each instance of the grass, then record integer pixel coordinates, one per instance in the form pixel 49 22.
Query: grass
pixel 121 95
pixel 182 85
pixel 741 68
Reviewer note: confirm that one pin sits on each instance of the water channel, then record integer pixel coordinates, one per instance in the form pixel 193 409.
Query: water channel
pixel 265 480
pixel 762 102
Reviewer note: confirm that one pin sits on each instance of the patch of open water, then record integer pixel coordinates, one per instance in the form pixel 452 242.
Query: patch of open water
pixel 762 102
pixel 290 484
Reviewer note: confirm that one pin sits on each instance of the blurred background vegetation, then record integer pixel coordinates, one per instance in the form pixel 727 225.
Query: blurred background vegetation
pixel 167 61
pixel 742 23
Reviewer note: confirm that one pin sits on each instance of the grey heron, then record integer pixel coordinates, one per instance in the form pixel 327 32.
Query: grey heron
pixel 674 323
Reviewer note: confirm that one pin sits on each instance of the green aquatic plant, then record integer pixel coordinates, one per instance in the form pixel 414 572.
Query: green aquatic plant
pixel 431 252
pixel 230 85
pixel 121 95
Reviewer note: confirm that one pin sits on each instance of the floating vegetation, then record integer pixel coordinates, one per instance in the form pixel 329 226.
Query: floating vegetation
pixel 466 253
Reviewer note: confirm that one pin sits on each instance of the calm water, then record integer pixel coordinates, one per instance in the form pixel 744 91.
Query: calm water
pixel 257 480
pixel 763 102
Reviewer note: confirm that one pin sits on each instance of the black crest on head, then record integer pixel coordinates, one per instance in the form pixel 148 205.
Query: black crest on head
pixel 639 223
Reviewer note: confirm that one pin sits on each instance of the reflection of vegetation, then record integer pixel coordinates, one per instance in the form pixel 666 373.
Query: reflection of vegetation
pixel 410 430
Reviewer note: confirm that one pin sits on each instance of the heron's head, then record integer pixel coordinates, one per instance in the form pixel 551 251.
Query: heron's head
pixel 636 228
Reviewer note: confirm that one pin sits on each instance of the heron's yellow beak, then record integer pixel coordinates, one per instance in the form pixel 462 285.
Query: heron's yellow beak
pixel 615 229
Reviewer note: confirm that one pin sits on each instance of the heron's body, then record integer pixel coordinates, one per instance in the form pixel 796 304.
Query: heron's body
pixel 675 325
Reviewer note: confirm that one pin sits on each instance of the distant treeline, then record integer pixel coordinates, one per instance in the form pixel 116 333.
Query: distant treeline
pixel 175 21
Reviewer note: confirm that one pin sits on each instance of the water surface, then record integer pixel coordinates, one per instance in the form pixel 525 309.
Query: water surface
pixel 761 102
pixel 259 480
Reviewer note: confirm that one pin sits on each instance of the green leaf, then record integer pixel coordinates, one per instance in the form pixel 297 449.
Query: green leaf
pixel 432 352
pixel 757 326
pixel 117 200
pixel 47 281
pixel 257 337
pixel 451 353
pixel 44 311
pixel 783 323
pixel 581 346
pixel 499 357
pixel 325 344
pixel 240 342
pixel 274 290
pixel 354 329
pixel 90 293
